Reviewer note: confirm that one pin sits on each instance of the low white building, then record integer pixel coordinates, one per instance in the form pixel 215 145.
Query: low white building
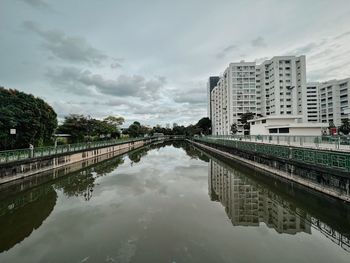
pixel 285 125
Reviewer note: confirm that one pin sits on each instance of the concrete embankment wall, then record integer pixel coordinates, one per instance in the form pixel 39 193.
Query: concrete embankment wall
pixel 299 173
pixel 22 169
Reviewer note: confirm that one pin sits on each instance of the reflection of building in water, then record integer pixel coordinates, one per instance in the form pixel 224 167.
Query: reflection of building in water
pixel 248 205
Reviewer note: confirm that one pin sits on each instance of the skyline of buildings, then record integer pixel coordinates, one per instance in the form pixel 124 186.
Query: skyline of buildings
pixel 276 87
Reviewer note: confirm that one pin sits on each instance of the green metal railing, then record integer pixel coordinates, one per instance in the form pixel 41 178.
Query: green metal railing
pixel 319 142
pixel 22 154
pixel 320 157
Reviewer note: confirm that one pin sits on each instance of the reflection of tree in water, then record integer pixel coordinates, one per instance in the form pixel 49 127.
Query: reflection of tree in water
pixel 82 183
pixel 26 215
pixel 191 151
pixel 135 156
pixel 78 184
pixel 108 166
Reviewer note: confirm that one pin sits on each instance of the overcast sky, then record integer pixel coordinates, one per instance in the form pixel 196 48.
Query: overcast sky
pixel 150 60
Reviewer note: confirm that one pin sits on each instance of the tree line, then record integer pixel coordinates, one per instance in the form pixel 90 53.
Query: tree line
pixel 28 120
pixel 202 127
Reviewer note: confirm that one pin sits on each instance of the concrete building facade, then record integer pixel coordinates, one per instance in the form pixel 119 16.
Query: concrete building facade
pixel 334 101
pixel 285 125
pixel 312 102
pixel 275 87
pixel 235 94
pixel 283 86
pixel 211 84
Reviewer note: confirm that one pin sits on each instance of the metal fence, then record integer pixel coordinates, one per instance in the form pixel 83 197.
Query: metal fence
pixel 320 157
pixel 21 154
pixel 341 143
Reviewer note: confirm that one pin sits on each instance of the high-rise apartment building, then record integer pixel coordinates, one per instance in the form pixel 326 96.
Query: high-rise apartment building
pixel 312 102
pixel 334 101
pixel 283 86
pixel 275 87
pixel 234 94
pixel 212 82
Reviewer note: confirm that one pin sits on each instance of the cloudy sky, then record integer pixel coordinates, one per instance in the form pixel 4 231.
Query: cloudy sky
pixel 150 60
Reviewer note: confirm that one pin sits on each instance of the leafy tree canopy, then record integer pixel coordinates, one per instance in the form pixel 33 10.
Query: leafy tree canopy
pixel 345 126
pixel 245 117
pixel 205 125
pixel 234 128
pixel 34 120
pixel 84 128
pixel 137 130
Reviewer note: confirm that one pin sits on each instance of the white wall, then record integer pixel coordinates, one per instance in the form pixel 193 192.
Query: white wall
pixel 312 131
pixel 261 129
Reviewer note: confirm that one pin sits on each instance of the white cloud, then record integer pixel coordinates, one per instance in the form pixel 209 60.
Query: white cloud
pixel 168 39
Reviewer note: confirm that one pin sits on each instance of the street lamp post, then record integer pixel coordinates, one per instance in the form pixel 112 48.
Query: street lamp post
pixel 13 134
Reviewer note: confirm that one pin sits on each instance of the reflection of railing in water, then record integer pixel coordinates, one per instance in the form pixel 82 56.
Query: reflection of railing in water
pixel 329 232
pixel 24 199
pixel 222 191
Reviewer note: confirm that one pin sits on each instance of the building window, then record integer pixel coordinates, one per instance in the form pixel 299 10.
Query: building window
pixel 283 130
pixel 272 130
pixel 263 121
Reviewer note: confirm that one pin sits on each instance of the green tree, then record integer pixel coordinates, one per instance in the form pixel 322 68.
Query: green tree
pixel 84 128
pixel 245 117
pixel 76 126
pixel 134 130
pixel 331 125
pixel 114 120
pixel 345 126
pixel 192 130
pixel 179 130
pixel 34 120
pixel 205 125
pixel 234 128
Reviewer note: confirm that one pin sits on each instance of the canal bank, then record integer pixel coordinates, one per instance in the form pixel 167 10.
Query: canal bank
pixel 330 181
pixel 20 164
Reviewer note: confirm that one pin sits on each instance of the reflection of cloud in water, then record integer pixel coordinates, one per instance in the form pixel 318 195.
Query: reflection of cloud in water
pixel 132 184
pixel 127 250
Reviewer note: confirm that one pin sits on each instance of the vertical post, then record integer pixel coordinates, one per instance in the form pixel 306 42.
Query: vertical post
pixel 31 151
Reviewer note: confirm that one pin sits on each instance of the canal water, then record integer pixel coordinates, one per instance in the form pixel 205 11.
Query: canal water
pixel 169 203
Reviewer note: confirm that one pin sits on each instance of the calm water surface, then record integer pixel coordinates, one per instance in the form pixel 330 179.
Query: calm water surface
pixel 170 203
